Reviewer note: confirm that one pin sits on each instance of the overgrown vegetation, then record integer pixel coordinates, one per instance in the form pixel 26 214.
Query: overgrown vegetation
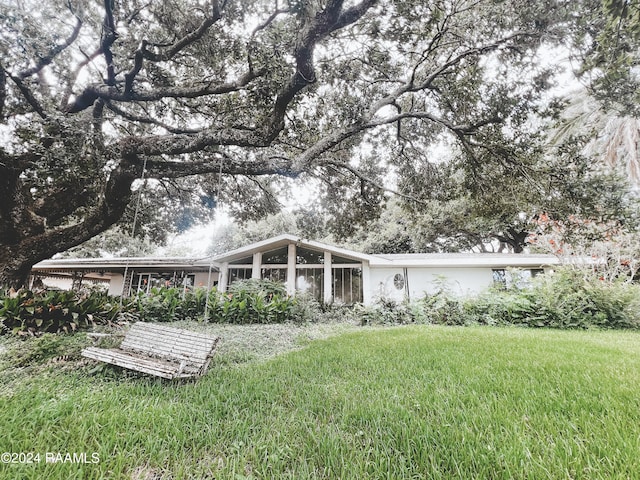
pixel 569 298
pixel 170 304
pixel 252 301
pixel 247 302
pixel 55 311
pixel 38 351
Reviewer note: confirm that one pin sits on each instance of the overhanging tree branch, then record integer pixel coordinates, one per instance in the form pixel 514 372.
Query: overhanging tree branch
pixel 192 91
pixel 45 60
pixel 29 97
pixel 223 164
pixel 3 91
pixel 190 98
pixel 109 36
pixel 150 121
pixel 320 26
pixel 385 188
pixel 172 50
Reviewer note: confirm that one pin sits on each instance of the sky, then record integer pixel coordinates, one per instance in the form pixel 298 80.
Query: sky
pixel 196 240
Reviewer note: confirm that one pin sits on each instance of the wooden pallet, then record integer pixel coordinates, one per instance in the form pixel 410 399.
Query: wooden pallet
pixel 161 351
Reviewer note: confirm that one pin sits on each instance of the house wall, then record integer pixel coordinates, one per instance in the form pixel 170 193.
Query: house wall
pixel 115 285
pixel 202 279
pixel 461 281
pixel 66 283
pixel 61 283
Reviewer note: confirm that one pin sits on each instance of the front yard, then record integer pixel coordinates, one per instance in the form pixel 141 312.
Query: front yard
pixel 333 401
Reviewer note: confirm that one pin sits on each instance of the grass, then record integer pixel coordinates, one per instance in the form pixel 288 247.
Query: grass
pixel 405 402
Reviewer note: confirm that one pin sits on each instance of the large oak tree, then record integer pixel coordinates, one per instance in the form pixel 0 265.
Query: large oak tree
pixel 95 95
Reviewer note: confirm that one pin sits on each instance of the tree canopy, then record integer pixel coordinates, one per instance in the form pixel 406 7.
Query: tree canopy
pixel 94 96
pixel 608 34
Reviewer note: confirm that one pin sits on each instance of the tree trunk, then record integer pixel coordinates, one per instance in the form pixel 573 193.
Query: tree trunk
pixel 30 242
pixel 516 239
pixel 15 269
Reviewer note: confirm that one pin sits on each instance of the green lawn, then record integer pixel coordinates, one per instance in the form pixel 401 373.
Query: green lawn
pixel 405 402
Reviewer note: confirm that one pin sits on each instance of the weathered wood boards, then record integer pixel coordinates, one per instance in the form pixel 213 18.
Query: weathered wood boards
pixel 161 351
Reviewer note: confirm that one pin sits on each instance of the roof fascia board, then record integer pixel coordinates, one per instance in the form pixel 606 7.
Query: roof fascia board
pixel 106 263
pixel 506 261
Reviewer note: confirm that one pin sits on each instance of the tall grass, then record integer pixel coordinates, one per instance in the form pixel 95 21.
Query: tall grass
pixel 407 402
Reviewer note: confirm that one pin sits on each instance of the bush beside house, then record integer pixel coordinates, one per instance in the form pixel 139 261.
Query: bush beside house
pixel 566 299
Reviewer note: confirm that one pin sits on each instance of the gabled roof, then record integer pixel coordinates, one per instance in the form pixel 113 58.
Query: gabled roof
pixel 283 240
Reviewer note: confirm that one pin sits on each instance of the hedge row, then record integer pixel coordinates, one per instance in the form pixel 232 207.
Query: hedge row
pixel 26 312
pixel 567 299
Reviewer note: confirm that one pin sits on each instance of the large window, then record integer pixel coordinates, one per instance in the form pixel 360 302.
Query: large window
pixel 311 280
pixel 276 257
pixel 347 285
pixel 239 273
pixel 144 282
pixel 304 256
pixel 240 269
pixel 309 276
pixel 275 274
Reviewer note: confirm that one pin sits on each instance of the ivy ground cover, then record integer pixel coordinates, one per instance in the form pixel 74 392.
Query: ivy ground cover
pixel 402 402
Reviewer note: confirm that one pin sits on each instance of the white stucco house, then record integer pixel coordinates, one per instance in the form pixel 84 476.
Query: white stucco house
pixel 330 273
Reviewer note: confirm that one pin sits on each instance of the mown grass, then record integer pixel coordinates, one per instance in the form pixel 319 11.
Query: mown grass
pixel 404 402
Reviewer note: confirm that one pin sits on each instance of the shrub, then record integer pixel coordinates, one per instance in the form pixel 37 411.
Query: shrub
pixel 193 304
pixel 566 299
pixel 164 304
pixel 251 301
pixel 386 312
pixel 442 308
pixel 26 312
pixel 307 308
pixel 160 304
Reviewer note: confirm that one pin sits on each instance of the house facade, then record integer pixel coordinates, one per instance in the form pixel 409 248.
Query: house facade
pixel 329 273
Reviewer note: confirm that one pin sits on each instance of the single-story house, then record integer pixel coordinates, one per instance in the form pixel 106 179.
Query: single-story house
pixel 331 274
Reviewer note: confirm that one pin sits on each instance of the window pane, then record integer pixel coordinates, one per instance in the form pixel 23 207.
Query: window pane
pixel 237 274
pixel 347 285
pixel 306 256
pixel 536 271
pixel 500 277
pixel 242 261
pixel 140 283
pixel 311 280
pixel 279 256
pixel 275 274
